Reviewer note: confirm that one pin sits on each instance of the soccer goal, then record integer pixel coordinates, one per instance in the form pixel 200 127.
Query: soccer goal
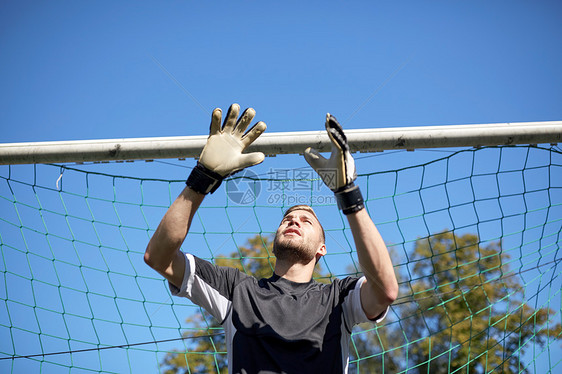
pixel 472 216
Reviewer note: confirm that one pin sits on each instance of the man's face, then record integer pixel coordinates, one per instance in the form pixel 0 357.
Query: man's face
pixel 298 237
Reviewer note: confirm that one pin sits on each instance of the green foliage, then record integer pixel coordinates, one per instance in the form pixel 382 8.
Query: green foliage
pixel 473 307
pixel 465 312
pixel 255 258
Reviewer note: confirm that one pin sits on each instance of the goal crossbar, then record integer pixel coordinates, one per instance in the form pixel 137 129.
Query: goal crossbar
pixel 360 140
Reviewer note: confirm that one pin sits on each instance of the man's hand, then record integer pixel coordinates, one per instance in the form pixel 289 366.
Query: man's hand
pixel 223 154
pixel 337 172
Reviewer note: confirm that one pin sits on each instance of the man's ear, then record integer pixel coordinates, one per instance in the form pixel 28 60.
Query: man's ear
pixel 321 251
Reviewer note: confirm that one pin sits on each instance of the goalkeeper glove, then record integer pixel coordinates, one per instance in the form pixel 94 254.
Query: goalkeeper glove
pixel 337 172
pixel 223 155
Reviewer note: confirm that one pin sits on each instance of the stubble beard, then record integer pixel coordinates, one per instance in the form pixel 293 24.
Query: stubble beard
pixel 293 250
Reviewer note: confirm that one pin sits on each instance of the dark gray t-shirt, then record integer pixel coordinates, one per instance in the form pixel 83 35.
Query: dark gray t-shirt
pixel 274 325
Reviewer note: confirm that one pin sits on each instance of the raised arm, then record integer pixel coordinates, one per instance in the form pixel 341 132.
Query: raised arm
pixel 381 288
pixel 163 251
pixel 222 156
pixel 338 173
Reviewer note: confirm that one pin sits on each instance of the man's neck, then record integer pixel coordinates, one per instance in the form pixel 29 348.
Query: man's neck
pixel 295 272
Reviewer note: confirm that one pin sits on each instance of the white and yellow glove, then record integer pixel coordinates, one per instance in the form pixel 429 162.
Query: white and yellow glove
pixel 223 154
pixel 337 172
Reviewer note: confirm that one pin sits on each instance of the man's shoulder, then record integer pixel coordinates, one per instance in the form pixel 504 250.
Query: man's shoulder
pixel 346 281
pixel 345 285
pixel 208 270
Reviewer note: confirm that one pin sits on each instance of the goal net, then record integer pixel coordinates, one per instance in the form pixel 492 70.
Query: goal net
pixel 474 235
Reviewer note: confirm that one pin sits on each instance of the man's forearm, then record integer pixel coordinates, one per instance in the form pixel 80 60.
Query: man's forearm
pixel 374 258
pixel 163 248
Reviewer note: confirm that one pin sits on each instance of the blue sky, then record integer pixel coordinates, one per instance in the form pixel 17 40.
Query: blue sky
pixel 103 70
pixel 84 70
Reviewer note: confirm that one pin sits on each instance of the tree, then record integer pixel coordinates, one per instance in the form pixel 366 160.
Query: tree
pixel 208 354
pixel 464 311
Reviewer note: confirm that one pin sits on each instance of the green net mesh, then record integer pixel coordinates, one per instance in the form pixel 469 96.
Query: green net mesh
pixel 474 235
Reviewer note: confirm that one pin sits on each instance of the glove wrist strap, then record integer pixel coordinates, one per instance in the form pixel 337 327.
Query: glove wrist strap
pixel 349 199
pixel 203 180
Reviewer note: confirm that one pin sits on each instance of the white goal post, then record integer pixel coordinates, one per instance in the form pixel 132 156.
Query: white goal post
pixel 360 140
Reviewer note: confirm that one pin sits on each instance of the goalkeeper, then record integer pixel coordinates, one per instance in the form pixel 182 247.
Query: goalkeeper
pixel 287 323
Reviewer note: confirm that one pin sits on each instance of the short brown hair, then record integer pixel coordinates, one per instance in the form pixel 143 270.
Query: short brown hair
pixel 309 209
